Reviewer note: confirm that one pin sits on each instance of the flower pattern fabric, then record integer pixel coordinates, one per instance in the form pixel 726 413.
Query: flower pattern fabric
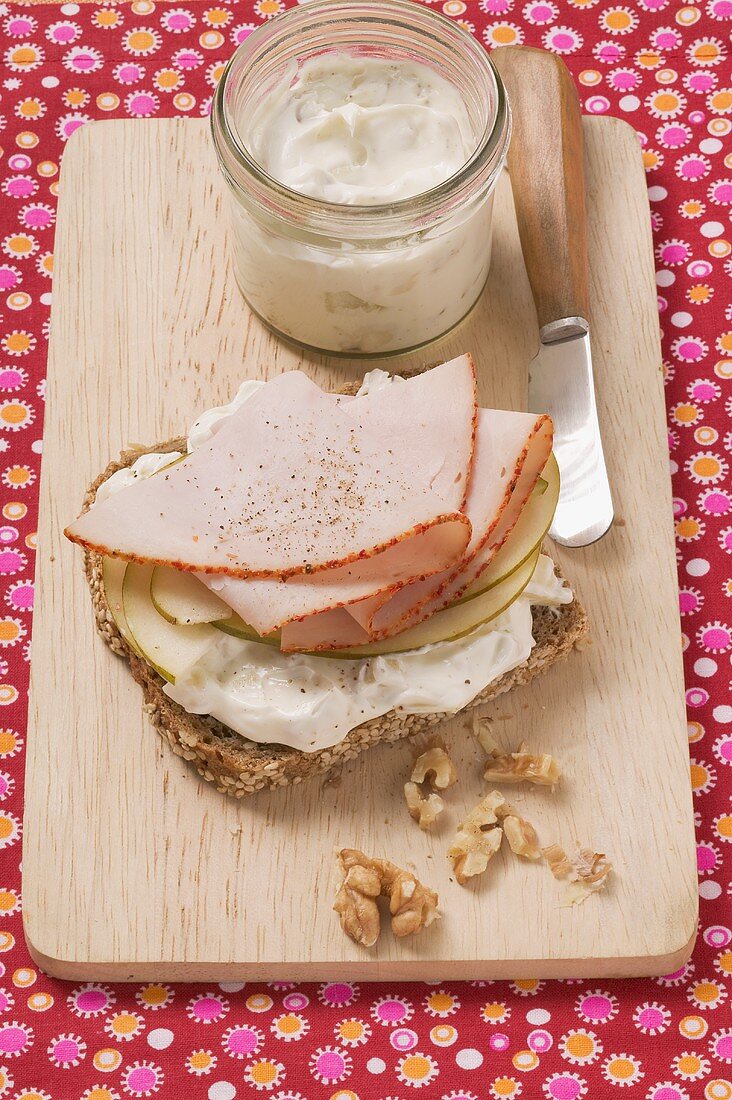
pixel 664 67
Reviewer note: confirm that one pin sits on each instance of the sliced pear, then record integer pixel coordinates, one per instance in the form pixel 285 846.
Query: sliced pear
pixel 239 629
pixel 444 626
pixel 113 571
pixel 173 462
pixel 452 622
pixel 182 599
pixel 169 648
pixel 526 537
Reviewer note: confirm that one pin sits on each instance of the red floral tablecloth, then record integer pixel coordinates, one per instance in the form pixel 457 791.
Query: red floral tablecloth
pixel 666 69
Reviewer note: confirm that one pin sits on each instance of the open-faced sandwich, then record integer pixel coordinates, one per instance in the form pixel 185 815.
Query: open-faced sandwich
pixel 308 573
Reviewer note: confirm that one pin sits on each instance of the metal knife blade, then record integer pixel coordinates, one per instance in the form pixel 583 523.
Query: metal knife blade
pixel 561 383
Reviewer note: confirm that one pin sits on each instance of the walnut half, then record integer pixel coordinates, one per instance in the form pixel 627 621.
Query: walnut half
pixel 412 905
pixel 355 901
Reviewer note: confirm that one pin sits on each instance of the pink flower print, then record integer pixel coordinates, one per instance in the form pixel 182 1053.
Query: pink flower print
pixel 715 637
pixel 691 600
pixel 673 252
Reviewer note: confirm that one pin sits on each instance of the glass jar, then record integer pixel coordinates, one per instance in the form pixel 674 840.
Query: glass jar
pixel 360 280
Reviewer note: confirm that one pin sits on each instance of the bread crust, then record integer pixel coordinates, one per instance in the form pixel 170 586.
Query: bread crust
pixel 237 766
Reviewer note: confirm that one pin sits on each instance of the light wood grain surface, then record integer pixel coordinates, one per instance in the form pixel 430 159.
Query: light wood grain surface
pixel 133 866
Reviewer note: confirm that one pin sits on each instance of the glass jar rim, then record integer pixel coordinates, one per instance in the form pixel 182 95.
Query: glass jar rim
pixel 427 206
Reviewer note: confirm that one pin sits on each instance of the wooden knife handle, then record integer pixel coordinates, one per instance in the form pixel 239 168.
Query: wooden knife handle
pixel 545 162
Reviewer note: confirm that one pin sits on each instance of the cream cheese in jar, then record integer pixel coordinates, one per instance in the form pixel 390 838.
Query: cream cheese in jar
pixel 362 130
pixel 362 171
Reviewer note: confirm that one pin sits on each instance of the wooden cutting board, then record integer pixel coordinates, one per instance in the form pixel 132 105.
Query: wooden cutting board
pixel 134 868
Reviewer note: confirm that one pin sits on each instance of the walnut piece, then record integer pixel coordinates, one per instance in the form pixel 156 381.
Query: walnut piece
pixel 591 867
pixel 522 766
pixel 424 811
pixel 558 860
pixel 472 852
pixel 435 768
pixel 591 873
pixel 586 870
pixel 478 838
pixel 521 836
pixel 483 732
pixel 412 905
pixel 433 771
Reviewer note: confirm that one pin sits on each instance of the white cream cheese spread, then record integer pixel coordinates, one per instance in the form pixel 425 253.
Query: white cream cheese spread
pixel 362 130
pixel 311 703
pixel 145 466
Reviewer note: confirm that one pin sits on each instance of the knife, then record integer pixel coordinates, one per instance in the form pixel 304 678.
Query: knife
pixel 545 163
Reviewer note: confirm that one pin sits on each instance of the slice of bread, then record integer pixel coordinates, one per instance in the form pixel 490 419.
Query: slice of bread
pixel 238 766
